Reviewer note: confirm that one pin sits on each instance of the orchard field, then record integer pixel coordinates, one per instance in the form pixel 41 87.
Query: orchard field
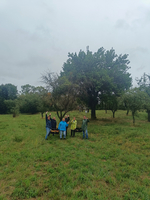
pixel 113 164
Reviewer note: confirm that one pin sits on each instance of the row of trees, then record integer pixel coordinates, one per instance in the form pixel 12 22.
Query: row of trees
pixel 29 100
pixel 98 80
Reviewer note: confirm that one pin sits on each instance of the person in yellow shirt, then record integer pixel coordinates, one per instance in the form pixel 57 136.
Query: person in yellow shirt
pixel 73 126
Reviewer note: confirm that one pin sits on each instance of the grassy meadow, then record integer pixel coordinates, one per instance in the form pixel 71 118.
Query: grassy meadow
pixel 113 164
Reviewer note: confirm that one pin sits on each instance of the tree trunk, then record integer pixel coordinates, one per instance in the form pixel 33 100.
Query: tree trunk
pixel 148 111
pixel 93 112
pixel 133 118
pixel 106 111
pixel 42 115
pixel 113 114
pixel 127 112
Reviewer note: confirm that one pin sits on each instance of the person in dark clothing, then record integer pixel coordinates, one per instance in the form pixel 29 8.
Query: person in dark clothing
pixel 53 122
pixel 48 126
pixel 67 118
pixel 84 127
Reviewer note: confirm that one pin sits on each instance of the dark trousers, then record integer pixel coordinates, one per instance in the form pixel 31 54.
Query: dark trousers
pixel 66 130
pixel 73 133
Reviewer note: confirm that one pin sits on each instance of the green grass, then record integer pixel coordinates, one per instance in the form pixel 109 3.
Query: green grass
pixel 114 163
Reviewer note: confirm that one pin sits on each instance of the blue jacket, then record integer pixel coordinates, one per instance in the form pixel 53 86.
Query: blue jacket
pixel 48 123
pixel 62 126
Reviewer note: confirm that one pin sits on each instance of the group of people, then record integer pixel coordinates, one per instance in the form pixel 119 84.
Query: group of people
pixel 63 126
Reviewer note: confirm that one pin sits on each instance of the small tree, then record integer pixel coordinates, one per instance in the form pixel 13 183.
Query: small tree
pixel 113 104
pixel 144 83
pixel 135 100
pixel 63 93
pixel 12 106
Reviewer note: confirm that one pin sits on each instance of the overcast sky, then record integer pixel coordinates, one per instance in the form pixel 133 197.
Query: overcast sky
pixel 36 35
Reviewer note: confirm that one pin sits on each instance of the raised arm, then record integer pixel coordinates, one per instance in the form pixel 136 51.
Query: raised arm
pixel 46 116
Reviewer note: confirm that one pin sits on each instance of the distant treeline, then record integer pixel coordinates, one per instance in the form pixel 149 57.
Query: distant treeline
pixel 29 100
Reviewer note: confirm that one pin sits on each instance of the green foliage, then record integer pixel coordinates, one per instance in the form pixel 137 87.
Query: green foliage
pixel 135 100
pixel 34 99
pixel 97 74
pixel 12 106
pixel 29 103
pixel 63 93
pixel 7 92
pixel 144 85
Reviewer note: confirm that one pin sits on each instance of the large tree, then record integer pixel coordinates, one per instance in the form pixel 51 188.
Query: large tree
pixel 97 74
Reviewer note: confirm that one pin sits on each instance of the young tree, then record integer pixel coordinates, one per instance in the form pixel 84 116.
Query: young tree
pixel 144 85
pixel 135 100
pixel 113 103
pixel 63 93
pixel 12 106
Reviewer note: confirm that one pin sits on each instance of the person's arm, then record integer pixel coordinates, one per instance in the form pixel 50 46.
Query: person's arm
pixel 50 116
pixel 76 123
pixel 46 116
pixel 59 126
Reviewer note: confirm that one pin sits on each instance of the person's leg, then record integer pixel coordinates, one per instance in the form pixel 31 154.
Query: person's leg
pixel 83 134
pixel 73 133
pixel 60 134
pixel 86 134
pixel 47 132
pixel 64 134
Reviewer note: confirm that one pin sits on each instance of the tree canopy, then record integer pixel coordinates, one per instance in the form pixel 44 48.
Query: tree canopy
pixel 63 93
pixel 7 92
pixel 97 74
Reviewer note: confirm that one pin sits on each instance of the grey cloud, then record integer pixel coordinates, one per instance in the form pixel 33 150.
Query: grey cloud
pixel 122 24
pixel 35 61
pixel 37 35
pixel 140 49
pixel 140 68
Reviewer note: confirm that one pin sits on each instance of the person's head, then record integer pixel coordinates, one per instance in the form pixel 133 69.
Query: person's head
pixel 74 118
pixel 65 116
pixel 48 117
pixel 63 119
pixel 54 118
pixel 84 117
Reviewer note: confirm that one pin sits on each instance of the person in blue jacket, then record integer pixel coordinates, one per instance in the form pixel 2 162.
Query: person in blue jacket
pixel 48 126
pixel 62 128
